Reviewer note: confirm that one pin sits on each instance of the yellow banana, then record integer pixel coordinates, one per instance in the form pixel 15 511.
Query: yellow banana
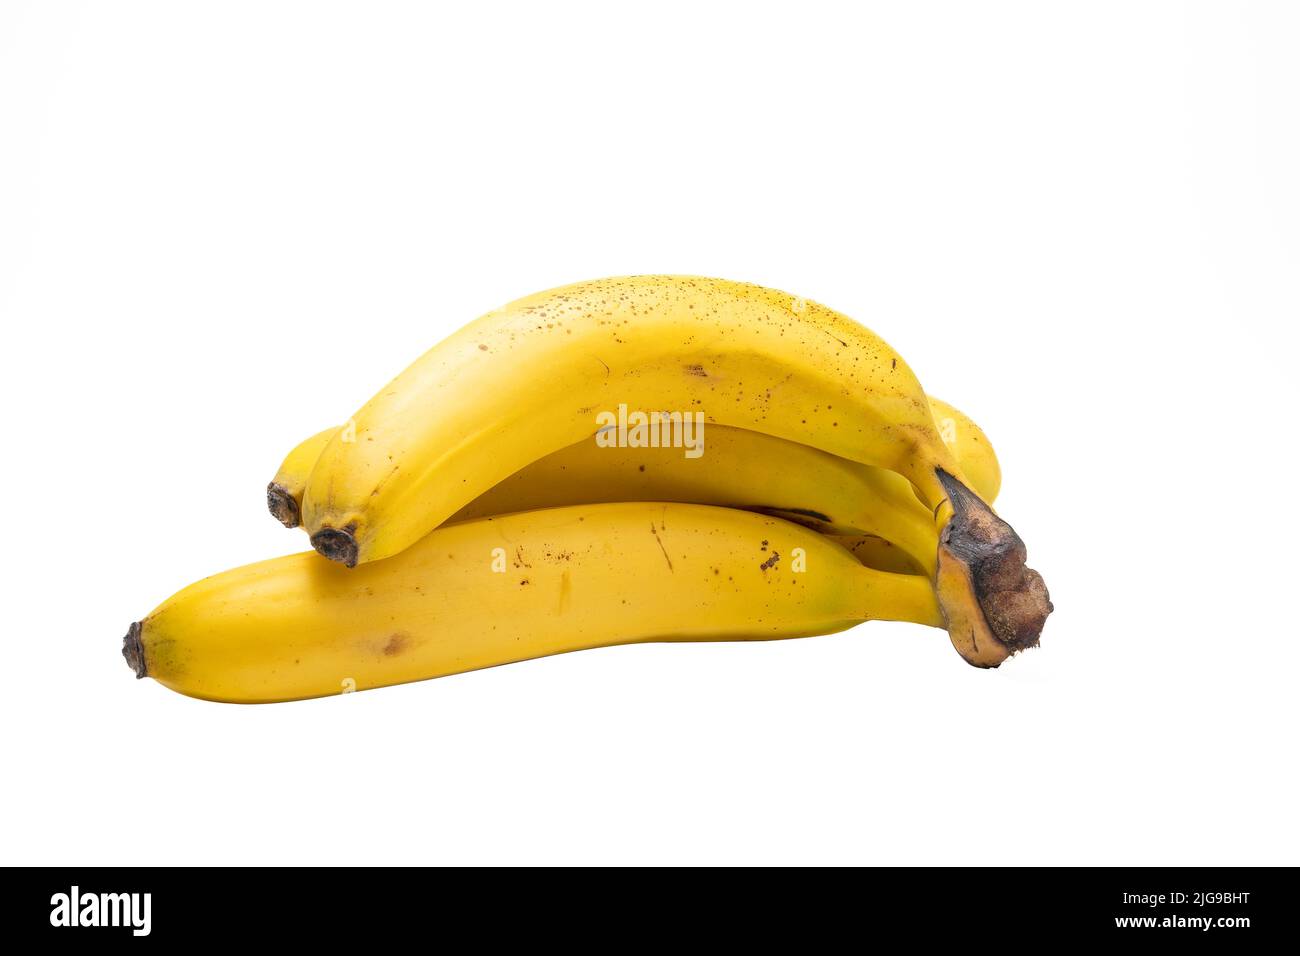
pixel 284 493
pixel 509 588
pixel 971 446
pixel 758 472
pixel 537 375
pixel 533 377
pixel 742 469
pixel 739 460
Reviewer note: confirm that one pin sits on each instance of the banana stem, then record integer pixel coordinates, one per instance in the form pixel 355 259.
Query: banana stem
pixel 993 603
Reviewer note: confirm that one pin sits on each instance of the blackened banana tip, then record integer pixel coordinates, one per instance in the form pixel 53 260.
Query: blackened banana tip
pixel 337 544
pixel 282 505
pixel 133 650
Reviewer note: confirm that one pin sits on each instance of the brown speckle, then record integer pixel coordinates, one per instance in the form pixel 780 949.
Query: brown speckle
pixel 654 531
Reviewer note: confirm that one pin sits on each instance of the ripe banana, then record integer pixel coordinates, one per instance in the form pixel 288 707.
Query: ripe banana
pixel 972 447
pixel 742 469
pixel 284 493
pixel 530 378
pixel 509 588
pixel 878 553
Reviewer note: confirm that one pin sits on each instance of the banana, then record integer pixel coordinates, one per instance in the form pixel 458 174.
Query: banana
pixel 510 588
pixel 878 553
pixel 533 377
pixel 284 493
pixel 971 446
pixel 742 469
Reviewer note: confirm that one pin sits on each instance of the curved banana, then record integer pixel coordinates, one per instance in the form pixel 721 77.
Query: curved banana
pixel 742 469
pixel 511 588
pixel 757 472
pixel 284 493
pixel 530 378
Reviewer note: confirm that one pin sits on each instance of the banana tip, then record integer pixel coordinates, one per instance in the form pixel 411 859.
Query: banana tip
pixel 282 505
pixel 133 650
pixel 337 544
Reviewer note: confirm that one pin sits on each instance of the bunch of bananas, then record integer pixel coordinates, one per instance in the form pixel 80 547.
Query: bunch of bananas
pixel 484 508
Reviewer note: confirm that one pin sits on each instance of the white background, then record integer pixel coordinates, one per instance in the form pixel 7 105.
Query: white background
pixel 224 226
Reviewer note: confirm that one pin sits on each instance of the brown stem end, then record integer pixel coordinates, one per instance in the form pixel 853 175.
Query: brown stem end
pixel 1012 598
pixel 133 650
pixel 282 505
pixel 337 544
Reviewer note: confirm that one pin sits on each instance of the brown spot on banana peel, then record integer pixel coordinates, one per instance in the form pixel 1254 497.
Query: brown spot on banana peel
pixel 994 604
pixel 660 542
pixel 282 505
